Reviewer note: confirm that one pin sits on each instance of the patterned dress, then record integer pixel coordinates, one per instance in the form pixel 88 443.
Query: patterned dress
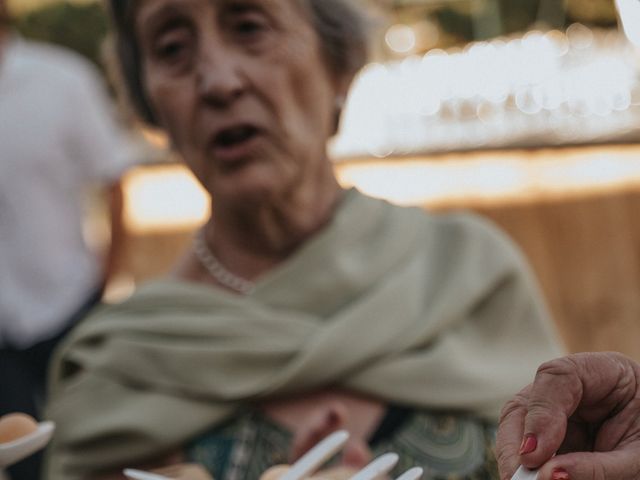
pixel 447 446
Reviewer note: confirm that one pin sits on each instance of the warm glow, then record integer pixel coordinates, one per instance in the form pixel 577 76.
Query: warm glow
pixel 168 198
pixel 550 88
pixel 496 176
pixel 163 198
pixel 400 38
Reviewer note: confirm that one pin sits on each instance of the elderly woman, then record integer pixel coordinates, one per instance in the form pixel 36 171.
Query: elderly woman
pixel 301 307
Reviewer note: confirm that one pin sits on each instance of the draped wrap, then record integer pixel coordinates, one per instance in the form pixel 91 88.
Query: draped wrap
pixel 431 311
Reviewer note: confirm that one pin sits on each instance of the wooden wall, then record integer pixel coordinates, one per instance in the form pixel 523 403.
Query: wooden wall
pixel 586 254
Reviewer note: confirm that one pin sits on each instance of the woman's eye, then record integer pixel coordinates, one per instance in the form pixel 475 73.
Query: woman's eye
pixel 250 27
pixel 173 46
pixel 170 50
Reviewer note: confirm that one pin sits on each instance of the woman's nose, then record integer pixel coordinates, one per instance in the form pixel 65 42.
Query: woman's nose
pixel 219 77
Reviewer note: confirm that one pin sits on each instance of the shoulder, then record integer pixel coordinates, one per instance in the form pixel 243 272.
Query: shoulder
pixel 468 227
pixel 468 242
pixel 456 237
pixel 460 225
pixel 57 64
pixel 459 230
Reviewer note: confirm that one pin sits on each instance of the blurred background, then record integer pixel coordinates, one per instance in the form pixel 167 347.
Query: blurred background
pixel 525 111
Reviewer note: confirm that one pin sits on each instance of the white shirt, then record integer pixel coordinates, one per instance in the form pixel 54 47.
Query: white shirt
pixel 56 138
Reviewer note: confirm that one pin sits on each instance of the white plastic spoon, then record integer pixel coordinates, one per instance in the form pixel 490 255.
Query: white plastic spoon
pixel 14 451
pixel 412 474
pixel 142 475
pixel 306 465
pixel 381 465
pixel 525 474
pixel 314 458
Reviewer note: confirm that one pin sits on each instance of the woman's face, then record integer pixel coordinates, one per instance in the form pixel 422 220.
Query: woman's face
pixel 242 88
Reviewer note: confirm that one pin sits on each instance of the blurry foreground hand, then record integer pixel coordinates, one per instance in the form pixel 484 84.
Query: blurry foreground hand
pixel 336 473
pixel 585 407
pixel 314 416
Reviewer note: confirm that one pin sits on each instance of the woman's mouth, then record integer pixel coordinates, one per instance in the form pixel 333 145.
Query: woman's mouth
pixel 235 144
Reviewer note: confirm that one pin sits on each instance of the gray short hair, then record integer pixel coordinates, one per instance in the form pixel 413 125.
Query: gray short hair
pixel 341 27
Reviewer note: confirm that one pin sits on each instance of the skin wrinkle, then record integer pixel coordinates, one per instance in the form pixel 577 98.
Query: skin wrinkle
pixel 543 412
pixel 579 431
pixel 513 408
pixel 283 212
pixel 624 437
pixel 271 212
pixel 588 411
pixel 342 29
pixel 624 388
pixel 606 412
pixel 575 389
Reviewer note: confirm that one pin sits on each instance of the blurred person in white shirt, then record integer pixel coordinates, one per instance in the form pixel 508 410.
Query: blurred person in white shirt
pixel 57 139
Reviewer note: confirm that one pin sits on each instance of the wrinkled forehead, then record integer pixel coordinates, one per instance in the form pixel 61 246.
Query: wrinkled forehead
pixel 140 10
pixel 129 15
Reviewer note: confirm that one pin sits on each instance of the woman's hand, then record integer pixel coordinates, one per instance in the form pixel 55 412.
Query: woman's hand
pixel 585 407
pixel 313 417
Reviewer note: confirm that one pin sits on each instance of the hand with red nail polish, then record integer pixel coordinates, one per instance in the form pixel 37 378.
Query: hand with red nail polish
pixel 585 408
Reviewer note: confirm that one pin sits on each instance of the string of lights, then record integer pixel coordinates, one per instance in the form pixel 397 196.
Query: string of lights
pixel 539 89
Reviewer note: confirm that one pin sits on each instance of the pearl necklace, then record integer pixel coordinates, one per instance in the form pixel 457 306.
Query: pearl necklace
pixel 217 270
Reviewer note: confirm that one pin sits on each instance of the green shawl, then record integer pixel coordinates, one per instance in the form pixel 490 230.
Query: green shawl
pixel 432 311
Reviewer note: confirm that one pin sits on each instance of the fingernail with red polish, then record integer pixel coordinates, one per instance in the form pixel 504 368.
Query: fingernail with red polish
pixel 560 474
pixel 529 444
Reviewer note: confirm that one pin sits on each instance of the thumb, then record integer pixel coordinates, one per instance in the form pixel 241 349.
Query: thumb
pixel 616 465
